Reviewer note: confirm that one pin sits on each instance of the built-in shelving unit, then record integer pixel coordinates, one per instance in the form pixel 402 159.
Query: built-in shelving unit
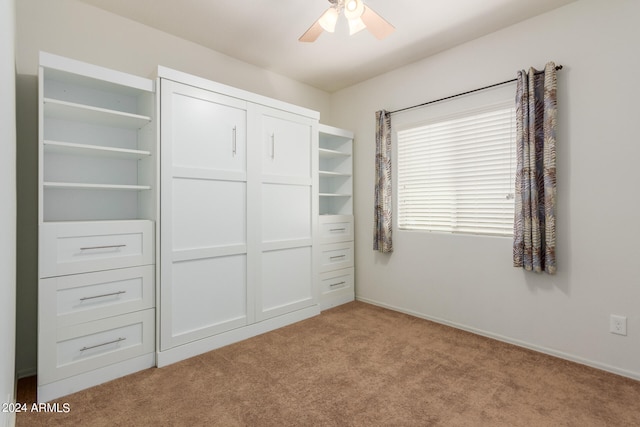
pixel 335 171
pixel 97 213
pixel 336 272
pixel 98 134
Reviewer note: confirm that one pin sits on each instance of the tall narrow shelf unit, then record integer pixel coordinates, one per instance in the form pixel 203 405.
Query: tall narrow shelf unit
pixel 97 210
pixel 336 272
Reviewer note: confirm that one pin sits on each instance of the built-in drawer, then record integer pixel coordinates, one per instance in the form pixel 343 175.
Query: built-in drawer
pixel 77 298
pixel 336 256
pixel 82 247
pixel 336 228
pixel 334 282
pixel 76 349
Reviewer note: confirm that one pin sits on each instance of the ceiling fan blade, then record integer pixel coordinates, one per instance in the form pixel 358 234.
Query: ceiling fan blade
pixel 375 23
pixel 313 32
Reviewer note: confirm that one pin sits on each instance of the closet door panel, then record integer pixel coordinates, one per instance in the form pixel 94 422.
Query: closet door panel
pixel 286 148
pixel 211 129
pixel 286 212
pixel 208 213
pixel 208 296
pixel 204 214
pixel 286 280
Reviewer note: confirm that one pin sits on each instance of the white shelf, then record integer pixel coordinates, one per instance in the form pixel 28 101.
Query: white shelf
pixel 326 153
pixel 85 186
pixel 93 150
pixel 333 174
pixel 55 108
pixel 92 76
pixel 334 195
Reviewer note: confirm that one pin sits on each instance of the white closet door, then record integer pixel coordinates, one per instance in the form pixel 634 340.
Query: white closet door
pixel 286 145
pixel 211 129
pixel 287 214
pixel 204 214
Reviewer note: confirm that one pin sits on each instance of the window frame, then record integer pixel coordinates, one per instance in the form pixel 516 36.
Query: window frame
pixel 476 103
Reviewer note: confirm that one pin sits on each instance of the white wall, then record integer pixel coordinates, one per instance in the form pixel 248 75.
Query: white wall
pixel 86 33
pixel 83 32
pixel 468 281
pixel 7 207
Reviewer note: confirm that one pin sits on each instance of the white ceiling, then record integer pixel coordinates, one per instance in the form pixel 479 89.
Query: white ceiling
pixel 265 32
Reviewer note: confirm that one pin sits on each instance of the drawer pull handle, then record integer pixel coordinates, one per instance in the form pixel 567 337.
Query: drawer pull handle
pixel 103 344
pixel 333 285
pixel 337 257
pixel 337 229
pixel 103 295
pixel 89 248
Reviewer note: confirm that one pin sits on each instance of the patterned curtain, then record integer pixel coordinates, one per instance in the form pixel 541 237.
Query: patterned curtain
pixel 534 236
pixel 383 214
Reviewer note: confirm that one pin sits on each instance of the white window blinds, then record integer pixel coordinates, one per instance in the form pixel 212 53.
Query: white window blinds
pixel 457 175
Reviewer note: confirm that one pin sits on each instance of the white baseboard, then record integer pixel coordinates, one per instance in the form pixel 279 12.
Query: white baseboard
pixel 328 303
pixel 523 344
pixel 70 385
pixel 24 373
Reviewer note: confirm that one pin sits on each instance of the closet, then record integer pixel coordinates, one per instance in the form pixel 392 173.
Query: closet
pixel 238 214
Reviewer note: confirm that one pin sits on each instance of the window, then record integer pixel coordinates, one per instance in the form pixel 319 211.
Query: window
pixel 456 174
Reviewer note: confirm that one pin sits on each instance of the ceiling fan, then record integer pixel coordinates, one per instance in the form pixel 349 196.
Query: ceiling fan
pixel 358 15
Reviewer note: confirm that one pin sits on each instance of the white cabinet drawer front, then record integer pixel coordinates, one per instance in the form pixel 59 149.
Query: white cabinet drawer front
pixel 88 346
pixel 336 256
pixel 336 281
pixel 78 298
pixel 336 228
pixel 81 247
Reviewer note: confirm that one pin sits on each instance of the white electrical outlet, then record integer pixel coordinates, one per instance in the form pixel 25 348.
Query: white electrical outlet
pixel 618 325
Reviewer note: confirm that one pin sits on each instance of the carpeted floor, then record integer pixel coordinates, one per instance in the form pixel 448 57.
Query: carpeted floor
pixel 356 365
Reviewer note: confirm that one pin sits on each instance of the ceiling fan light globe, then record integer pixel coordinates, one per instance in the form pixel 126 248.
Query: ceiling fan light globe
pixel 328 20
pixel 356 25
pixel 353 9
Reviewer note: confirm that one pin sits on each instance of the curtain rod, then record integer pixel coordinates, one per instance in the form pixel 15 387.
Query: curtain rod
pixel 558 67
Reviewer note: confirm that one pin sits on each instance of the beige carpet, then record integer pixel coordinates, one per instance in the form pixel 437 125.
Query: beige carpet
pixel 357 365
